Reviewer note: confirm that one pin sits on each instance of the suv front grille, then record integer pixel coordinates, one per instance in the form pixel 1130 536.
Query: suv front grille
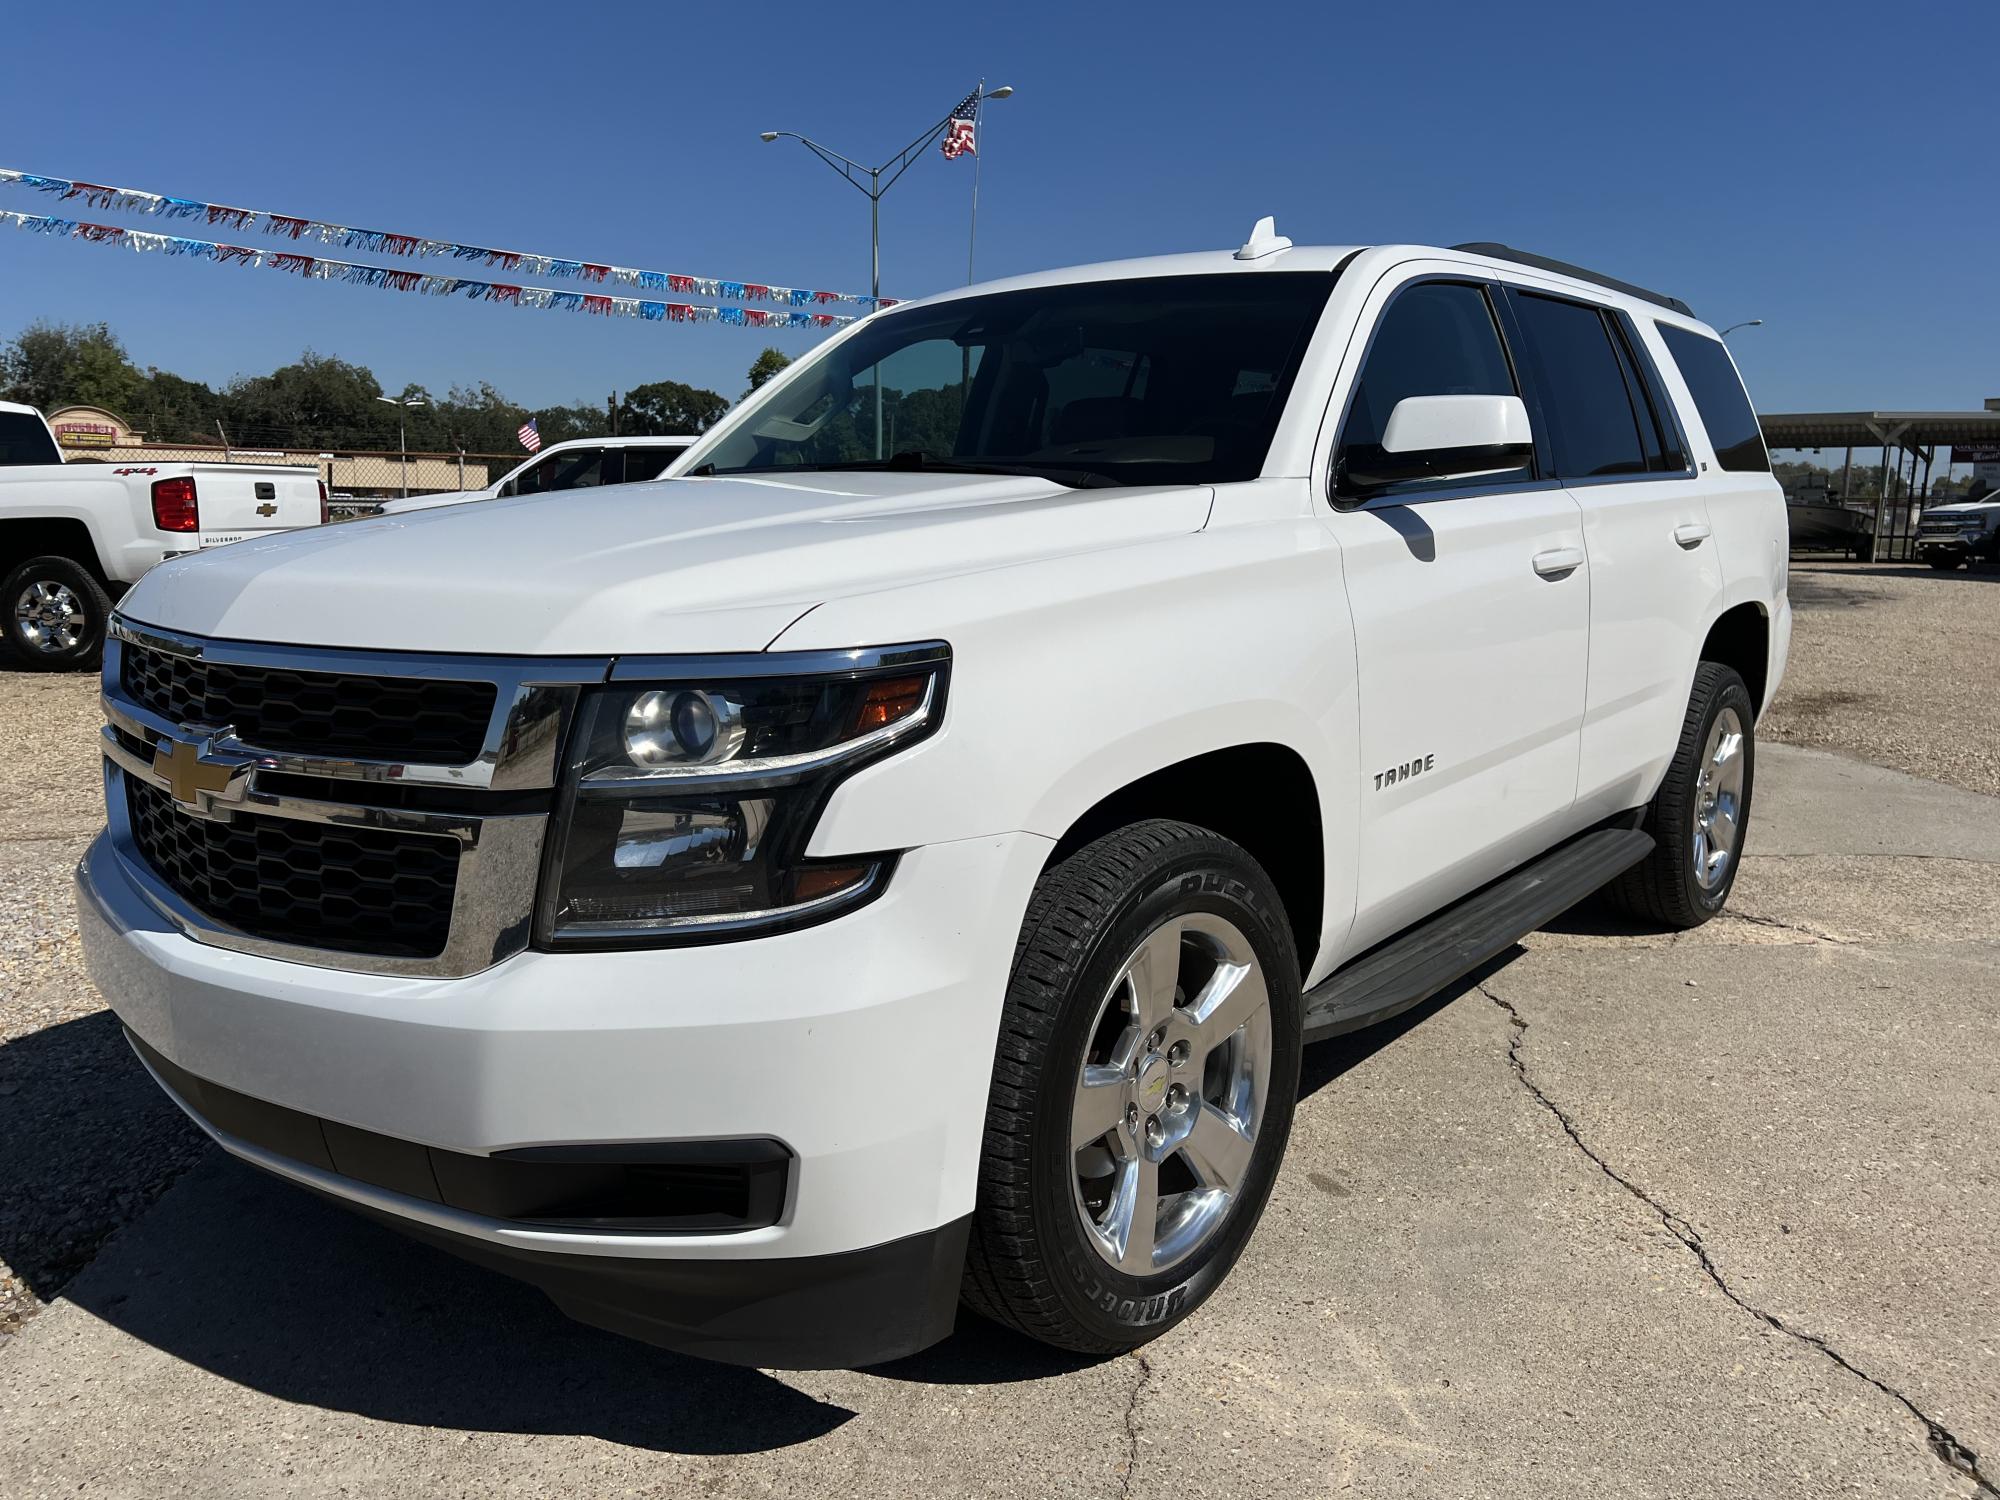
pixel 315 713
pixel 360 890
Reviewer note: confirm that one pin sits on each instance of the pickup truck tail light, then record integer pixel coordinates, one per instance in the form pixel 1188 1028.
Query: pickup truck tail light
pixel 323 513
pixel 174 507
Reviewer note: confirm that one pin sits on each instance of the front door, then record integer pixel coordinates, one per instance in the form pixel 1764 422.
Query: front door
pixel 1471 608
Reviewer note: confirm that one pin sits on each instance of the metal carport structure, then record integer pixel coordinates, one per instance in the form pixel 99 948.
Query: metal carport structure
pixel 1916 437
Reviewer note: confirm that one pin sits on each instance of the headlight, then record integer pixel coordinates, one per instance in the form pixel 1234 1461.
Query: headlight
pixel 689 803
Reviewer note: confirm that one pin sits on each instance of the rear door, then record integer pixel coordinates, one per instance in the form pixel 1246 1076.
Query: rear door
pixel 1654 563
pixel 233 501
pixel 1471 608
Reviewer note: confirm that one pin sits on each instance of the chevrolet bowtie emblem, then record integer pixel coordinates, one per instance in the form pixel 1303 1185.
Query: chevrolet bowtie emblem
pixel 198 777
pixel 267 510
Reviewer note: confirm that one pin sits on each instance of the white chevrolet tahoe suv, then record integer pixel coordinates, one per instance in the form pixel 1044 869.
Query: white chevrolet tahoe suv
pixel 905 864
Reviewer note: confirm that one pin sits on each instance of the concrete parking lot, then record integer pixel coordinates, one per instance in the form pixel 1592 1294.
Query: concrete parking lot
pixel 1625 1214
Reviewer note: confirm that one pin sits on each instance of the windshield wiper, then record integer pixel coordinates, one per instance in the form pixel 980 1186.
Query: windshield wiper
pixel 913 459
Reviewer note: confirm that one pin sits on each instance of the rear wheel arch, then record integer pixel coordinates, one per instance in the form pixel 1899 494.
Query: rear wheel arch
pixel 1740 639
pixel 50 536
pixel 1262 797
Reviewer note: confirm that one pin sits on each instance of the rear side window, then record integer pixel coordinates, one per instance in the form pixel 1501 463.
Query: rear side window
pixel 24 440
pixel 642 464
pixel 1587 390
pixel 1720 398
pixel 1436 339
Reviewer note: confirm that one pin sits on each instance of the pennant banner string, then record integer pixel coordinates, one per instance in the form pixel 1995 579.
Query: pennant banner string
pixel 290 226
pixel 318 268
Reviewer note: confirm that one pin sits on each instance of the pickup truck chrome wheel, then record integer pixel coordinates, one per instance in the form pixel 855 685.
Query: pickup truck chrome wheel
pixel 49 617
pixel 1171 1094
pixel 1718 801
pixel 53 613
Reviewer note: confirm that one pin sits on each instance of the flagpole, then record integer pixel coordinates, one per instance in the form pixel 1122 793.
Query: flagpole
pixel 978 155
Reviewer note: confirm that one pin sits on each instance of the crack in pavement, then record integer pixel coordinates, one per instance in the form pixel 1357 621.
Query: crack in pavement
pixel 1947 1448
pixel 1132 1422
pixel 1783 926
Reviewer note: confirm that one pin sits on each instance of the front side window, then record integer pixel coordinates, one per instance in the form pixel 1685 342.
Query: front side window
pixel 1720 398
pixel 1436 339
pixel 1586 391
pixel 1162 380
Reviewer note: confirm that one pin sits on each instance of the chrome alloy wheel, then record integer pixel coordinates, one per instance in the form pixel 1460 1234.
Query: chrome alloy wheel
pixel 1171 1094
pixel 50 616
pixel 1718 800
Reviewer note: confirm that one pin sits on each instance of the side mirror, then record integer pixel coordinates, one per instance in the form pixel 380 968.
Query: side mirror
pixel 1441 438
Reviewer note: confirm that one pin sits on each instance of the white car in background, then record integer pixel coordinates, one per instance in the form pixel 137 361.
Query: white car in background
pixel 580 464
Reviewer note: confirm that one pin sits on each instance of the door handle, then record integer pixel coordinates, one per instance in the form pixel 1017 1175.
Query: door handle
pixel 1558 561
pixel 1691 533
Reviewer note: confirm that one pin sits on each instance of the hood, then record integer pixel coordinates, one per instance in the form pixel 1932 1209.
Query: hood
pixel 1964 507
pixel 682 565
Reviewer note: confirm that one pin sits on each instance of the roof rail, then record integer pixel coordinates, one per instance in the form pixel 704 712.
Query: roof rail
pixel 1492 250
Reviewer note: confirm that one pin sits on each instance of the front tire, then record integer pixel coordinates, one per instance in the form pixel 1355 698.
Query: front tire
pixel 1944 562
pixel 1142 1092
pixel 55 615
pixel 1700 814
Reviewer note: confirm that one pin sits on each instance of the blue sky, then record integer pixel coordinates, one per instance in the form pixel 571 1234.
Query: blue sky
pixel 1760 160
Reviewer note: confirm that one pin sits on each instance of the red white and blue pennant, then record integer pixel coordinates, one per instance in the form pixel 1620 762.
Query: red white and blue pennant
pixel 320 268
pixel 294 227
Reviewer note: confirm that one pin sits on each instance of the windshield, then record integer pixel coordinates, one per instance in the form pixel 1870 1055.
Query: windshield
pixel 1169 380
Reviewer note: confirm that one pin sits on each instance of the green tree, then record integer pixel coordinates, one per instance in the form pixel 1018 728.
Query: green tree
pixel 70 364
pixel 667 408
pixel 767 364
pixel 319 402
pixel 172 410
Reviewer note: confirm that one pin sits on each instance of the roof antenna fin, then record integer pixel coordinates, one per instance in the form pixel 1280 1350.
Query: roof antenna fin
pixel 1264 240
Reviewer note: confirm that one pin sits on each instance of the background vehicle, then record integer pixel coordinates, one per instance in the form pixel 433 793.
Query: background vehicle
pixel 73 536
pixel 905 867
pixel 1950 536
pixel 582 463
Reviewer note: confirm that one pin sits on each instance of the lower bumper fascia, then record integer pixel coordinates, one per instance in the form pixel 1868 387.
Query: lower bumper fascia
pixel 819 1312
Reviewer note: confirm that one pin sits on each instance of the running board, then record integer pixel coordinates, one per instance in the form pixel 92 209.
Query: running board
pixel 1418 963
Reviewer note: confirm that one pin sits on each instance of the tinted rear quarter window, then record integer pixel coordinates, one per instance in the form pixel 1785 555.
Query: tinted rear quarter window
pixel 1720 399
pixel 1585 390
pixel 24 440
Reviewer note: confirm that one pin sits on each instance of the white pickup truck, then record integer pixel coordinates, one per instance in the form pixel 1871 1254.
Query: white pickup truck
pixel 907 860
pixel 579 464
pixel 74 536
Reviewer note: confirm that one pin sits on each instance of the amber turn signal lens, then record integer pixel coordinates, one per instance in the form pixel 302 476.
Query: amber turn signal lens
pixel 813 881
pixel 888 701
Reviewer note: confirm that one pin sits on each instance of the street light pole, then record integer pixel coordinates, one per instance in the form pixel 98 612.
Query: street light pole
pixel 403 404
pixel 1749 323
pixel 880 180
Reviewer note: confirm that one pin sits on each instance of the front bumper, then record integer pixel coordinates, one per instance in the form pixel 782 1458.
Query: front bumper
pixel 864 1046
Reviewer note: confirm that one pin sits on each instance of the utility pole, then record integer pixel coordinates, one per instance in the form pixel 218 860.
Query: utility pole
pixel 611 413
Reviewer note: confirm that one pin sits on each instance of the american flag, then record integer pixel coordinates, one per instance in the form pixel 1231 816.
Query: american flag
pixel 530 438
pixel 961 128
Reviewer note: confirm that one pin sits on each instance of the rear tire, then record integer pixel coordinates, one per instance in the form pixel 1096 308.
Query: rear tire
pixel 1155 994
pixel 53 615
pixel 1864 550
pixel 1708 785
